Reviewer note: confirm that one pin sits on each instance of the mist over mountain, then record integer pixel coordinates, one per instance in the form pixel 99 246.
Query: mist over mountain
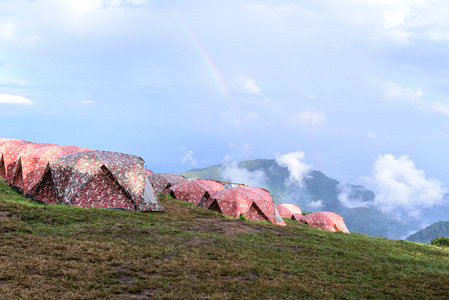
pixel 312 190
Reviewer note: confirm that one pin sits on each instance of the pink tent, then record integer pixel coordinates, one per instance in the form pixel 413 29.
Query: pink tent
pixel 11 152
pixel 325 220
pixel 195 191
pixel 289 211
pixel 24 155
pixel 255 203
pixel 36 162
pixel 162 181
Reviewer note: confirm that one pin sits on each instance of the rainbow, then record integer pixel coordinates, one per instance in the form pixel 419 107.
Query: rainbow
pixel 211 68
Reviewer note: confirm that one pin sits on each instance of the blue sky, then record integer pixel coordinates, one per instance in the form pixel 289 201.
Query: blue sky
pixel 187 84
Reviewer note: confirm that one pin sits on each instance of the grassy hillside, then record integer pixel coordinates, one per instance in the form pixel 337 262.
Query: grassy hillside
pixel 191 253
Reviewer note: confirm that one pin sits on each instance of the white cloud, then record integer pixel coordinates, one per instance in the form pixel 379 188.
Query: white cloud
pixel 233 173
pixel 437 107
pixel 244 84
pixel 295 163
pixel 393 91
pixel 401 187
pixel 87 102
pixel 345 198
pixel 316 204
pixel 14 99
pixel 189 158
pixel 307 119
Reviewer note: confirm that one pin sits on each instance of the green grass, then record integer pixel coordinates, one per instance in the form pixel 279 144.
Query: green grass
pixel 191 253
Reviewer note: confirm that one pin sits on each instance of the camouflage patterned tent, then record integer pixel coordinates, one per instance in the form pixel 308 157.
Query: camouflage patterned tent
pixel 2 163
pixel 289 211
pixel 10 155
pixel 99 179
pixel 325 220
pixel 195 191
pixel 35 163
pixel 23 157
pixel 255 203
pixel 162 181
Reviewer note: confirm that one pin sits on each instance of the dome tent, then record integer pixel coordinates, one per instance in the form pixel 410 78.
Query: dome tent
pixel 325 220
pixel 24 156
pixel 162 181
pixel 195 191
pixel 35 163
pixel 289 211
pixel 255 203
pixel 99 179
pixel 10 155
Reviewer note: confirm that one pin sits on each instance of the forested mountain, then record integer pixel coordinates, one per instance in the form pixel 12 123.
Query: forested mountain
pixel 438 229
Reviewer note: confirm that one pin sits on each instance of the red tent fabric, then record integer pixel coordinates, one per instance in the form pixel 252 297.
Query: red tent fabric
pixel 24 154
pixel 149 172
pixel 36 162
pixel 162 181
pixel 289 211
pixel 255 203
pixel 2 164
pixel 195 191
pixel 325 220
pixel 99 179
pixel 11 152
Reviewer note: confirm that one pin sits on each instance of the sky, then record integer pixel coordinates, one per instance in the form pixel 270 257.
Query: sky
pixel 354 88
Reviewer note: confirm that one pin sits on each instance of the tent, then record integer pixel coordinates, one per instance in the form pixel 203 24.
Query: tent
pixel 148 172
pixel 325 220
pixel 255 203
pixel 2 163
pixel 162 181
pixel 35 163
pixel 289 211
pixel 23 156
pixel 10 155
pixel 99 179
pixel 195 191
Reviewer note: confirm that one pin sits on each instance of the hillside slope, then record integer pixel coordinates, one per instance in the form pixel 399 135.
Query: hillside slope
pixel 191 253
pixel 317 193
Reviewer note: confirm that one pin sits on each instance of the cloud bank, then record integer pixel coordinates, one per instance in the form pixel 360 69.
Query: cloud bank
pixel 401 187
pixel 295 163
pixel 307 120
pixel 245 84
pixel 14 99
pixel 396 92
pixel 233 173
pixel 346 198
